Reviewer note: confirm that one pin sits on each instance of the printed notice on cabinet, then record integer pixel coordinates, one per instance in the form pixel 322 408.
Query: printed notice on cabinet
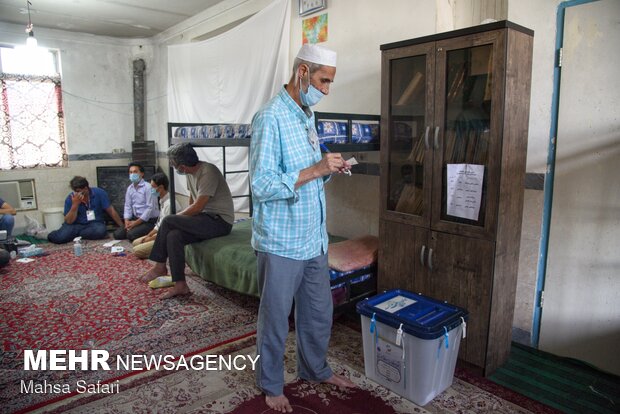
pixel 465 190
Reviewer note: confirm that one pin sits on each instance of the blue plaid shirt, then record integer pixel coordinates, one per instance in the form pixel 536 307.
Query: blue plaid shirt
pixel 286 222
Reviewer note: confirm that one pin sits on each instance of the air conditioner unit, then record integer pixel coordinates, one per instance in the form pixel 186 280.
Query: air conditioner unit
pixel 19 193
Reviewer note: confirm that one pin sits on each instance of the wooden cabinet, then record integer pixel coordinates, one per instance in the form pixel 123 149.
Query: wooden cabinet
pixel 454 119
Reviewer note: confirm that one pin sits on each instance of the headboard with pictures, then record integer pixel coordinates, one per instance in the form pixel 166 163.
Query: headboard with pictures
pixel 340 132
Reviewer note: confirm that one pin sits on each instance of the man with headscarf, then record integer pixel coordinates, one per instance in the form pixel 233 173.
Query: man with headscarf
pixel 289 234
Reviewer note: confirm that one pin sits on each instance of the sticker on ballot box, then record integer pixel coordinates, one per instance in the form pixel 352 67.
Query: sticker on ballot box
pixel 389 361
pixel 395 304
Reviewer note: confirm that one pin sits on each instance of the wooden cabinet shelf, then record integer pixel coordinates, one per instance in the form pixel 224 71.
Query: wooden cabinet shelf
pixel 457 101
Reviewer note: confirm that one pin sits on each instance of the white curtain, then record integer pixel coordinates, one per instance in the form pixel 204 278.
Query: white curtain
pixel 225 79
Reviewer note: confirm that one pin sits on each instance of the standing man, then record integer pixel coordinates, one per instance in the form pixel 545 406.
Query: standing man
pixel 141 210
pixel 288 228
pixel 84 209
pixel 210 214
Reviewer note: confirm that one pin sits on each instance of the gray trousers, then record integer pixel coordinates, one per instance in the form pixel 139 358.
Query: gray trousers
pixel 177 231
pixel 279 281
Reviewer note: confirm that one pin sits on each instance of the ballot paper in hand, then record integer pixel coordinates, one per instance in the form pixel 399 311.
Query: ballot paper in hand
pixel 352 161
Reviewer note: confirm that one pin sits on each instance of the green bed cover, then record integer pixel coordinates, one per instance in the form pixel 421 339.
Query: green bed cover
pixel 229 261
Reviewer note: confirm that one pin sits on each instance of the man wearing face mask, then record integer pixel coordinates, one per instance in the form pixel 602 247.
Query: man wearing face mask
pixel 142 246
pixel 84 209
pixel 210 214
pixel 141 209
pixel 287 173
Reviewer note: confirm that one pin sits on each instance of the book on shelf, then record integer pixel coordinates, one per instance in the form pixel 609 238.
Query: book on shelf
pixel 417 151
pixel 410 200
pixel 456 86
pixel 469 146
pixel 410 90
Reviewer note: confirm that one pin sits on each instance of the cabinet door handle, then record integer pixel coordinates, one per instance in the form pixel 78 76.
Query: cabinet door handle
pixel 426 136
pixel 436 139
pixel 430 259
pixel 422 250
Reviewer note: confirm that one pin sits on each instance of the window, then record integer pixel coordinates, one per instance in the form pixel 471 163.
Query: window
pixel 32 132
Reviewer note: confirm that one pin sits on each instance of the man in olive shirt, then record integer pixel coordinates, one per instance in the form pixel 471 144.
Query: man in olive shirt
pixel 210 214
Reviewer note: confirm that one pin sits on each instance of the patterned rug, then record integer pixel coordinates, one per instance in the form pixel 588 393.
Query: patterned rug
pixel 226 391
pixel 60 301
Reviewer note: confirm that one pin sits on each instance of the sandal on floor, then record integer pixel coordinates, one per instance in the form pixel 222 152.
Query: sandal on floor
pixel 161 282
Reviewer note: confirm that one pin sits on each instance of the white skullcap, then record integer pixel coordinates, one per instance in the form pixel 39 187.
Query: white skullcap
pixel 317 54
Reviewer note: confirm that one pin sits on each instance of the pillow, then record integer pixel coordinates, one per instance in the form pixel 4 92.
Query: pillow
pixel 353 254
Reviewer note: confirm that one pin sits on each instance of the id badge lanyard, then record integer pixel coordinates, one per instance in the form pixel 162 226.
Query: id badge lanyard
pixel 90 214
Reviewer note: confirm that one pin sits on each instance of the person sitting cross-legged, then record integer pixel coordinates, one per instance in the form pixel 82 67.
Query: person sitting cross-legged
pixel 84 217
pixel 7 221
pixel 142 246
pixel 140 211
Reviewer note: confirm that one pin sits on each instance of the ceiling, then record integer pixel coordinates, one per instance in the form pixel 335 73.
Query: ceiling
pixel 115 18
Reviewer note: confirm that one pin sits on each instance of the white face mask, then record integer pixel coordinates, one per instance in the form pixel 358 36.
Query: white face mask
pixel 312 97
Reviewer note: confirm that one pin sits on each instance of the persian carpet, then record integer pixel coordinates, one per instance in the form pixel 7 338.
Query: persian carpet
pixel 64 302
pixel 194 392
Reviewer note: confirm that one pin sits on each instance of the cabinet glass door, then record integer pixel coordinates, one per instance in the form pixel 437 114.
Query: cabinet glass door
pixel 467 137
pixel 408 161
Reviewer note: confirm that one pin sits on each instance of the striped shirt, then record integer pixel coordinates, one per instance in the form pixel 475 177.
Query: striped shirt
pixel 286 222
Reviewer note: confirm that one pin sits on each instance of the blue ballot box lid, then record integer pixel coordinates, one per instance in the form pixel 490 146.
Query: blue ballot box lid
pixel 420 315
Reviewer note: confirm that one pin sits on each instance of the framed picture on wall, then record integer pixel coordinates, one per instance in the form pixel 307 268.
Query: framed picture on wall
pixel 310 6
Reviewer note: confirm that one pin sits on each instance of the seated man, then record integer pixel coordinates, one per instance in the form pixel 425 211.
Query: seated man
pixel 141 210
pixel 210 214
pixel 84 217
pixel 7 221
pixel 142 246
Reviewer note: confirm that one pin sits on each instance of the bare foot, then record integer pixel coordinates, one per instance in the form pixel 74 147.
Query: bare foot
pixel 340 381
pixel 278 403
pixel 159 269
pixel 179 289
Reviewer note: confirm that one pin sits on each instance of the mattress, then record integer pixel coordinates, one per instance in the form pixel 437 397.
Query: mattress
pixel 230 262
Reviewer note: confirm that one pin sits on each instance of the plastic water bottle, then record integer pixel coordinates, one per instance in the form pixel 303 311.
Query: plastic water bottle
pixel 77 248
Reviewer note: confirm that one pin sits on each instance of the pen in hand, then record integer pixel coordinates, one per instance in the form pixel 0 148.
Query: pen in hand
pixel 325 149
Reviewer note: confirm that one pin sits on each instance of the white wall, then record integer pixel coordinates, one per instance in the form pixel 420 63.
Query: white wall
pixel 98 103
pixel 539 16
pixel 97 87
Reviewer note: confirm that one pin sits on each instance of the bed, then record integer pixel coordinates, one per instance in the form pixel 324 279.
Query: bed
pixel 230 261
